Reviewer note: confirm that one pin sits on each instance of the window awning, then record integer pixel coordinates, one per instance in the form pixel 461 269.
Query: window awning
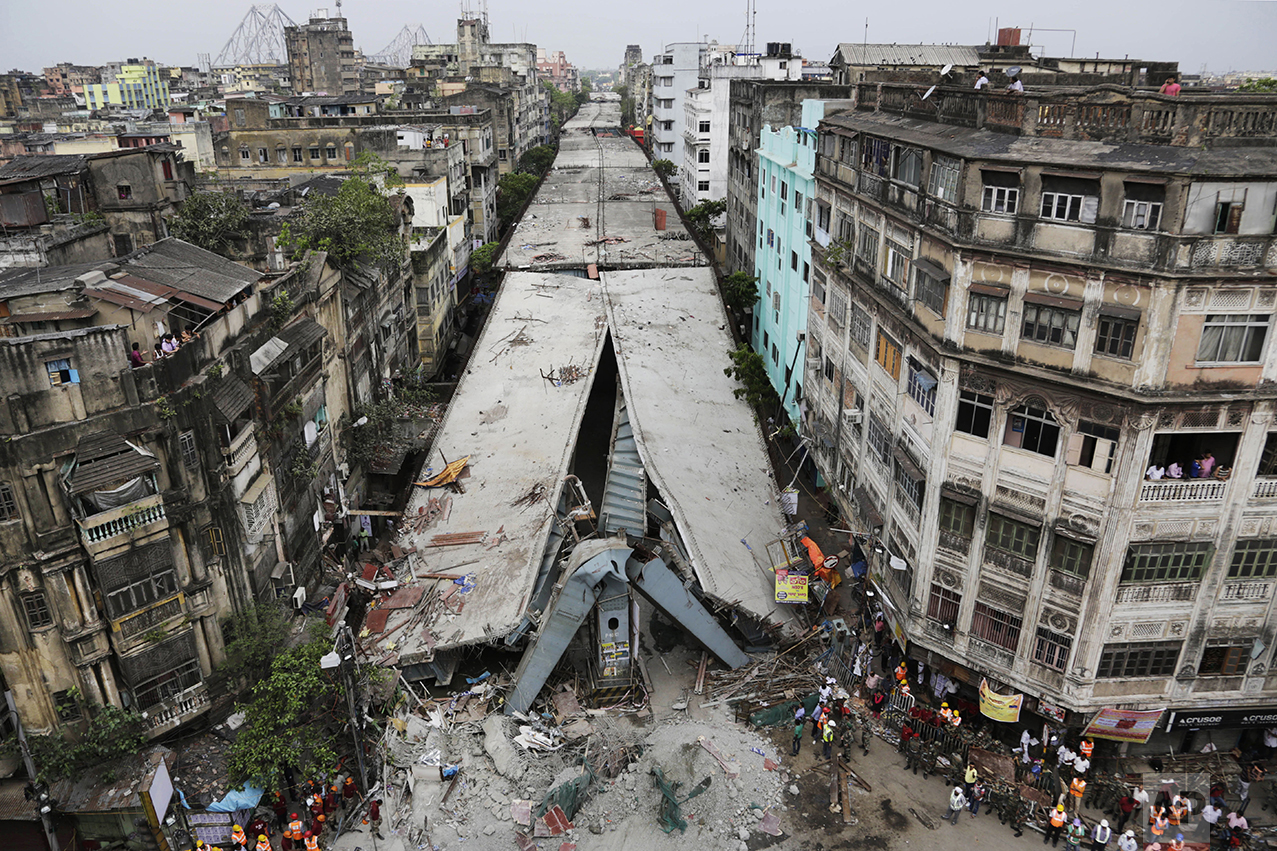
pixel 959 496
pixel 932 268
pixel 868 512
pixel 911 469
pixel 1053 301
pixel 104 460
pixel 1117 310
pixel 231 397
pixel 990 289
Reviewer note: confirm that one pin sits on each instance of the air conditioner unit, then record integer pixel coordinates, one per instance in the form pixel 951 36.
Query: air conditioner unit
pixel 852 417
pixel 802 335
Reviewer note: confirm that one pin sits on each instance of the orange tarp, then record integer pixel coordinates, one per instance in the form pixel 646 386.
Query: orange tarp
pixel 446 476
pixel 813 552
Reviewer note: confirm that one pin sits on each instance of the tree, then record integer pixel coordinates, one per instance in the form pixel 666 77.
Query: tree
pixel 537 160
pixel 255 637
pixel 482 258
pixel 740 291
pixel 512 191
pixel 357 222
pixel 701 217
pixel 1261 85
pixel 583 96
pixel 109 735
pixel 210 220
pixel 749 368
pixel 285 719
pixel 664 168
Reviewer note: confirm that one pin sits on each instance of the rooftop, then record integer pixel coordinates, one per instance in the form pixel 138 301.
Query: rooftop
pixel 959 55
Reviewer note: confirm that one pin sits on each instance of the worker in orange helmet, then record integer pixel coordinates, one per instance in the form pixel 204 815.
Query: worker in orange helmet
pixel 293 834
pixel 318 824
pixel 348 792
pixel 331 799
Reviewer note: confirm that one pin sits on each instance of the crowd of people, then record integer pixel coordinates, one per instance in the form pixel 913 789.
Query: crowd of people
pixel 166 347
pixel 303 830
pixel 1204 466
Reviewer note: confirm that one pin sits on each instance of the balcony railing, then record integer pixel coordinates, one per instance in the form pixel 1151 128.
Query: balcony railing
pixel 1248 590
pixel 870 186
pixel 178 708
pixel 1163 592
pixel 150 618
pixel 242 447
pixel 1183 490
pixel 1265 489
pixel 1007 561
pixel 1069 583
pixel 120 521
pixel 954 542
pixel 1232 251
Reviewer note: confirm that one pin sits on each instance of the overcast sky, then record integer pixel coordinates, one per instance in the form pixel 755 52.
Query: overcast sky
pixel 1223 36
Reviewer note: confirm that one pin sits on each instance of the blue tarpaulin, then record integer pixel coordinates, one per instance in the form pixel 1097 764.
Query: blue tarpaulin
pixel 237 799
pixel 858 568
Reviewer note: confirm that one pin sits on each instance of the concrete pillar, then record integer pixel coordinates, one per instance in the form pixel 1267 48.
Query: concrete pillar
pixel 89 680
pixel 108 684
pixel 201 648
pixel 213 640
pixel 51 487
pixel 87 606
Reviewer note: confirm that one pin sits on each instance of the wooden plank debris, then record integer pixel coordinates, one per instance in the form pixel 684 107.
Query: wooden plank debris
pixel 453 539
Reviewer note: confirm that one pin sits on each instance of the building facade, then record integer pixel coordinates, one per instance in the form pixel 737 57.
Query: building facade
pixel 1013 335
pixel 322 56
pixel 139 84
pixel 673 72
pixel 554 68
pixel 786 186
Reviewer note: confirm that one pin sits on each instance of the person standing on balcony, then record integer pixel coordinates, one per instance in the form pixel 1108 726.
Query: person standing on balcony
pixel 1016 87
pixel 982 80
pixel 1155 473
pixel 1195 469
pixel 1174 471
pixel 1208 465
pixel 1170 87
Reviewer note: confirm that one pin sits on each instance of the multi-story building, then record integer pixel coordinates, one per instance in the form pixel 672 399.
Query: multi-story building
pixel 633 57
pixel 640 95
pixel 322 55
pixel 674 72
pixel 66 78
pixel 706 113
pixel 554 68
pixel 754 105
pixel 786 186
pixel 1031 317
pixel 139 84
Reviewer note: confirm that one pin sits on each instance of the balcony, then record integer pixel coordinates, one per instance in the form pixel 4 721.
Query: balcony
pixel 954 542
pixel 103 528
pixel 1161 592
pixel 148 619
pixel 1069 583
pixel 1183 490
pixel 1247 591
pixel 1265 489
pixel 1228 251
pixel 243 447
pixel 166 715
pixel 1008 561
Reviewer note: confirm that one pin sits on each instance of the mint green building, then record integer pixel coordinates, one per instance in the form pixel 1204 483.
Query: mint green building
pixel 782 263
pixel 139 85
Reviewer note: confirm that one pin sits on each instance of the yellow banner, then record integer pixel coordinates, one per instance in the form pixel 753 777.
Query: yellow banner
pixel 999 707
pixel 790 587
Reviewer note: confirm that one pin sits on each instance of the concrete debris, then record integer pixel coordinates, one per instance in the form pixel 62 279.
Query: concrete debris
pixel 496 743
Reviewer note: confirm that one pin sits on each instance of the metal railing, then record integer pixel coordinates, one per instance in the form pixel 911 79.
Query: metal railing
pixel 177 708
pixel 1157 592
pixel 119 521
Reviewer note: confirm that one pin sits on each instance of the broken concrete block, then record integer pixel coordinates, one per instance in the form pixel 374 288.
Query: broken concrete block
pixel 497 745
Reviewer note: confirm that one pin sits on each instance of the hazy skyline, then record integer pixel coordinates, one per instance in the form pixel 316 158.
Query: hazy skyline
pixel 1223 36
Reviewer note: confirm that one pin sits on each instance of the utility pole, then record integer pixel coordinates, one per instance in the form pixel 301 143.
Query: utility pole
pixel 355 718
pixel 38 791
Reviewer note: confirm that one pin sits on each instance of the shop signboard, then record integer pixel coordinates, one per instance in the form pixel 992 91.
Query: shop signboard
pixel 1211 719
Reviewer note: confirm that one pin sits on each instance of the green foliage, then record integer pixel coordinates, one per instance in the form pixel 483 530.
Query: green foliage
pixel 587 86
pixel 749 368
pixel 374 169
pixel 93 217
pixel 356 223
pixel 621 91
pixel 740 290
pixel 165 408
pixel 627 110
pixel 303 469
pixel 284 719
pixel 537 160
pixel 293 409
pixel 701 217
pixel 563 105
pixel 512 191
pixel 839 252
pixel 110 734
pixel 51 205
pixel 210 220
pixel 482 258
pixel 664 168
pixel 216 370
pixel 1261 85
pixel 281 308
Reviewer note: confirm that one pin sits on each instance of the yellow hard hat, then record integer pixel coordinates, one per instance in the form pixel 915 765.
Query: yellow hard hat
pixel 261 838
pixel 237 827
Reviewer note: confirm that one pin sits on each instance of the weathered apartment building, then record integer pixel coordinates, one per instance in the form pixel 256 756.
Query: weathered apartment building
pixel 60 208
pixel 502 77
pixel 140 508
pixel 322 56
pixel 1019 305
pixel 554 68
pixel 266 140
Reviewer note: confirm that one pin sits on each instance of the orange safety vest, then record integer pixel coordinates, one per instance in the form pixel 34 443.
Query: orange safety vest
pixel 1077 787
pixel 238 838
pixel 1155 813
pixel 1178 811
pixel 263 846
pixel 1086 748
pixel 1159 826
pixel 1057 819
pixel 294 830
pixel 312 844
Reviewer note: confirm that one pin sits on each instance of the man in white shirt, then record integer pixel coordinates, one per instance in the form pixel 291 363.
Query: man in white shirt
pixel 1154 472
pixel 1238 821
pixel 1016 87
pixel 1126 842
pixel 1141 798
pixel 1211 814
pixel 981 80
pixel 1081 765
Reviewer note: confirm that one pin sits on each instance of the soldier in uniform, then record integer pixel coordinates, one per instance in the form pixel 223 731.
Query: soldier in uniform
pixel 913 754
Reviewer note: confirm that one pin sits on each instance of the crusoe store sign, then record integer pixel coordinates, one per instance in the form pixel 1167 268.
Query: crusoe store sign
pixel 1222 718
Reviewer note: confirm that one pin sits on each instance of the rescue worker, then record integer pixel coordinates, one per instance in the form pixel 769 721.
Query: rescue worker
pixel 1160 823
pixel 1054 826
pixel 1178 812
pixel 239 840
pixel 957 719
pixel 258 826
pixel 1177 844
pixel 1086 747
pixel 1127 842
pixel 968 779
pixel 321 821
pixel 331 800
pixel 312 842
pixel 316 802
pixel 913 754
pixel 828 738
pixel 1075 835
pixel 348 792
pixel 1077 789
pixel 1155 812
pixel 1100 838
pixel 945 714
pixel 293 834
pixel 374 817
pixel 263 844
pixel 280 808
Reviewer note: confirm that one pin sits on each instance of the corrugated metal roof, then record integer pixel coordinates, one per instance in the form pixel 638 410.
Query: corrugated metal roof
pixel 43 165
pixel 104 459
pixel 231 397
pixel 15 283
pixel 134 773
pixel 958 55
pixel 52 316
pixel 191 269
pixel 14 805
pixel 295 338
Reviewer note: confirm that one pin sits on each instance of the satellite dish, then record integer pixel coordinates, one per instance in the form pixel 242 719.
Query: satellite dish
pixel 1013 70
pixel 929 91
pixel 944 72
